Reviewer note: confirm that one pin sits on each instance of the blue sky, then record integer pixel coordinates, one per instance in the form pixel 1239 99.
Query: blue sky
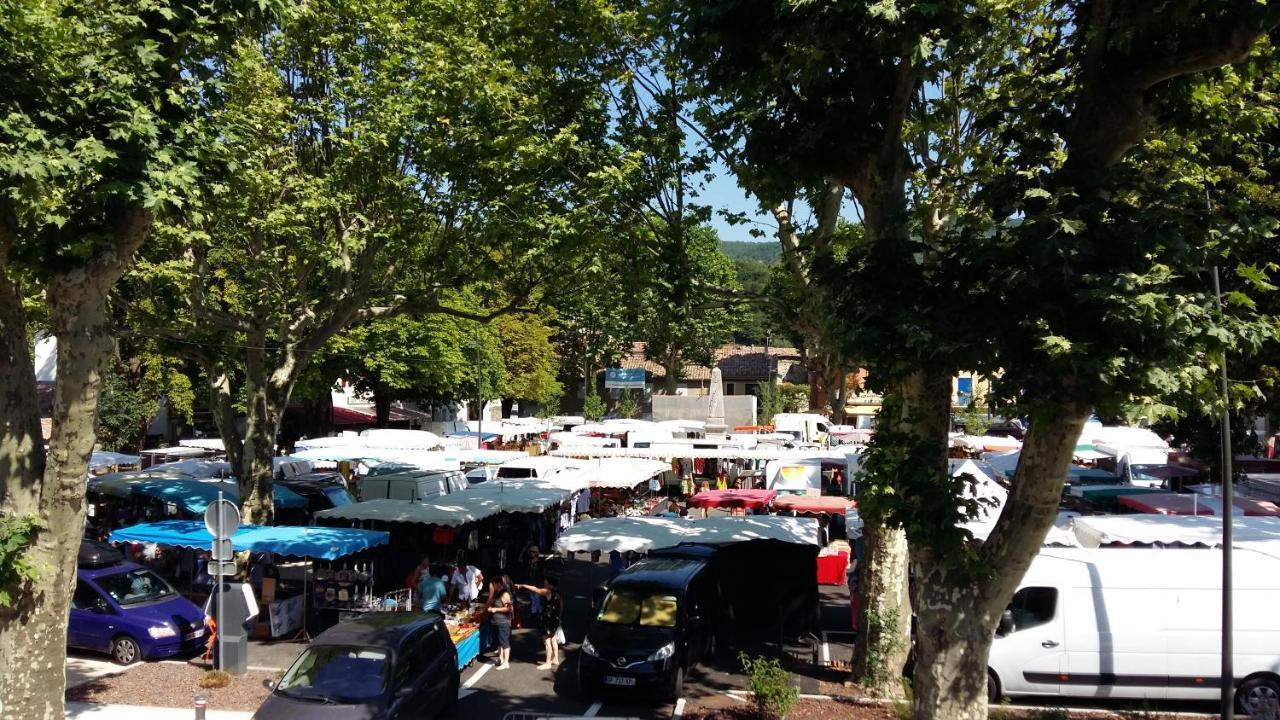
pixel 723 193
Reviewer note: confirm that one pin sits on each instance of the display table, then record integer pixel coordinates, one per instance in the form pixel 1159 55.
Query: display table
pixel 831 568
pixel 467 631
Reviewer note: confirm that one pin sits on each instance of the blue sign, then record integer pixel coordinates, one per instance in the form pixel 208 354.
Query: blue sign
pixel 964 390
pixel 632 378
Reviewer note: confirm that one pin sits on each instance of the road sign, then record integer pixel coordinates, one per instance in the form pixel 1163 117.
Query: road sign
pixel 222 549
pixel 632 378
pixel 224 569
pixel 222 515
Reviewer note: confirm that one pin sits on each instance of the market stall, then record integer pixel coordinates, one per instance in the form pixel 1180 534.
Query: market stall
pixel 644 534
pixel 284 608
pixel 733 499
pixel 1180 530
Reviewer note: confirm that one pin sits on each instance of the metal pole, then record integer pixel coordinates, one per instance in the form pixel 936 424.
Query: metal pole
pixel 479 398
pixel 1228 675
pixel 220 660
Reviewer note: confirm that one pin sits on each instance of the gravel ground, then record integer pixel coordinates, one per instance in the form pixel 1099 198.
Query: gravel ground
pixel 171 684
pixel 803 710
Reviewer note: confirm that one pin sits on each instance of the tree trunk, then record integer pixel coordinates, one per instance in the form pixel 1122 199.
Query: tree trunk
pixel 33 632
pixel 839 398
pixel 672 366
pixel 884 611
pixel 508 404
pixel 381 407
pixel 958 612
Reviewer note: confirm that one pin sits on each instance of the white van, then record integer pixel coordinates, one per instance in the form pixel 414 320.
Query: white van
pixel 1139 623
pixel 806 427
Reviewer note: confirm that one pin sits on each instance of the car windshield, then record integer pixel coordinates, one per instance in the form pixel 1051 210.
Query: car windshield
pixel 330 672
pixel 338 496
pixel 625 607
pixel 135 586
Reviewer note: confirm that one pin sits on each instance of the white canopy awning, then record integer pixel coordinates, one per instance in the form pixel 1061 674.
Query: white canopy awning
pixel 666 452
pixel 178 451
pixel 214 444
pixel 1097 530
pixel 621 472
pixel 642 534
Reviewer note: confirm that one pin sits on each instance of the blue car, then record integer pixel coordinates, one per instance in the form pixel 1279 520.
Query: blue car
pixel 124 609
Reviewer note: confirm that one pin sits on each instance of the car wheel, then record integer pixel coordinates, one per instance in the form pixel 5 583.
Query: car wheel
pixel 125 650
pixel 676 691
pixel 1256 693
pixel 993 688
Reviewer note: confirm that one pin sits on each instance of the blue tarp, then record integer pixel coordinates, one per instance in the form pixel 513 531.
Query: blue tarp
pixel 326 543
pixel 1006 463
pixel 473 433
pixel 193 496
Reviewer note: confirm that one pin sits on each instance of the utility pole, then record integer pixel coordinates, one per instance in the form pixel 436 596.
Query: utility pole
pixel 479 396
pixel 1228 626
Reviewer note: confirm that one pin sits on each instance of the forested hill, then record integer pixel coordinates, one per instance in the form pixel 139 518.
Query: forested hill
pixel 765 252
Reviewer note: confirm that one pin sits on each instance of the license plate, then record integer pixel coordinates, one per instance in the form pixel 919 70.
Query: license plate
pixel 619 681
pixel 194 634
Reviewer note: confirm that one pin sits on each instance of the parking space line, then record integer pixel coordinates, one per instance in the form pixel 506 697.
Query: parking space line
pixel 675 714
pixel 595 708
pixel 475 677
pixel 826 649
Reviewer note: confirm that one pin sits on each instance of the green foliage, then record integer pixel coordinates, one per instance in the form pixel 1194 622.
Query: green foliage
pixel 771 402
pixel 629 404
pixel 593 407
pixel 17 534
pixel 748 253
pixel 975 418
pixel 772 689
pixel 530 359
pixel 883 636
pixel 692 330
pixel 123 412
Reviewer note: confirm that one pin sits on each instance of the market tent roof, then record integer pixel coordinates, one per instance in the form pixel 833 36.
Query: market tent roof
pixel 474 433
pixel 1110 491
pixel 177 451
pixel 101 459
pixel 990 494
pixel 1060 534
pixel 214 444
pixel 687 449
pixel 488 457
pixel 196 468
pixel 1168 471
pixel 525 495
pixel 326 543
pixel 450 514
pixel 1097 530
pixel 572 439
pixel 642 534
pixel 1006 463
pixel 732 498
pixel 192 495
pixel 1166 504
pixel 621 472
pixel 805 504
pixel 1090 453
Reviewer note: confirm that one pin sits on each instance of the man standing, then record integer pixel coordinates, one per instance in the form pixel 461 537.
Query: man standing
pixel 432 591
pixel 465 583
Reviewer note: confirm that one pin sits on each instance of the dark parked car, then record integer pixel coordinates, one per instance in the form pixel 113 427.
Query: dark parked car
pixel 125 609
pixel 656 621
pixel 386 666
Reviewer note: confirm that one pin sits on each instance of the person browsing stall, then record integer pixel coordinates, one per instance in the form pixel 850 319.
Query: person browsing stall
pixel 432 590
pixel 549 622
pixel 501 608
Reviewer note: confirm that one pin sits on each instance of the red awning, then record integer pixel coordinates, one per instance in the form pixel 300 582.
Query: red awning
pixel 805 504
pixel 732 498
pixel 1166 504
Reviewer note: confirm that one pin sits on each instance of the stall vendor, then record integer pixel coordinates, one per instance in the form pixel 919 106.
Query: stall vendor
pixel 465 583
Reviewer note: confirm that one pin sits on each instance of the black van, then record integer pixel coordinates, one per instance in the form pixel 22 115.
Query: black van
pixel 656 620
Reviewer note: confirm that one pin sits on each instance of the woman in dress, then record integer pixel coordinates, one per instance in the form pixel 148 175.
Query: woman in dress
pixel 550 619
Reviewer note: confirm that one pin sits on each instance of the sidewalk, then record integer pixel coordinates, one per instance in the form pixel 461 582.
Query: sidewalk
pixel 92 711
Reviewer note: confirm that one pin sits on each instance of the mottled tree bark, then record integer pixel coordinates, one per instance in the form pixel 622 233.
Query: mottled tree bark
pixel 33 633
pixel 958 612
pixel 884 611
